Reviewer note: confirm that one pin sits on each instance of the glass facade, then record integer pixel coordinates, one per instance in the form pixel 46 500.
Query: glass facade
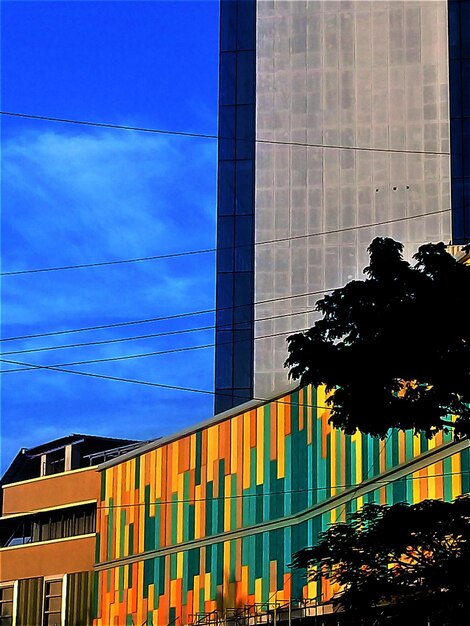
pixel 459 83
pixel 235 217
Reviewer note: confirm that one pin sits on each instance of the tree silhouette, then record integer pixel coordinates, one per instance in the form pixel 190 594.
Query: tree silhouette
pixel 393 349
pixel 402 561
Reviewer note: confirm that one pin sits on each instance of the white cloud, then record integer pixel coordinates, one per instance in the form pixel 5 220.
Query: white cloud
pixel 71 198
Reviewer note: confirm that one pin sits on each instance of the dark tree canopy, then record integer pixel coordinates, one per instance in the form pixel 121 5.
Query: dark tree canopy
pixel 393 349
pixel 405 560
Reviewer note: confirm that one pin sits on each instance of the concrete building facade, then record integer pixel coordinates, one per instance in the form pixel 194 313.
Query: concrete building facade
pixel 334 128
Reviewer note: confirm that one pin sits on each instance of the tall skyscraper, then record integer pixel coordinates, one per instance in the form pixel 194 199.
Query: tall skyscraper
pixel 334 124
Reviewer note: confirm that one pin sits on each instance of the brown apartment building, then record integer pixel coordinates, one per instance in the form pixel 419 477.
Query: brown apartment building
pixel 47 530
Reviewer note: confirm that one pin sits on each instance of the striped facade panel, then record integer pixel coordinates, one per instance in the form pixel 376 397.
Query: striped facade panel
pixel 210 520
pixel 79 599
pixel 30 594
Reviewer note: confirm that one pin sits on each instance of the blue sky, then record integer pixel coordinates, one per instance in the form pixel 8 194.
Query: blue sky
pixel 72 194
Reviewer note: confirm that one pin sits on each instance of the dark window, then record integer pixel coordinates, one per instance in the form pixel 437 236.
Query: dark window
pixel 54 462
pixel 48 525
pixel 6 605
pixel 245 77
pixel 228 72
pixel 228 25
pixel 244 246
pixel 245 188
pixel 225 297
pixel 52 603
pixel 236 198
pixel 246 18
pixel 464 28
pixel 459 84
pixel 226 195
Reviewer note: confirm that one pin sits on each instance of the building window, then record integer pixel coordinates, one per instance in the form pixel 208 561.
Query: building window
pixel 6 605
pixel 47 526
pixel 52 615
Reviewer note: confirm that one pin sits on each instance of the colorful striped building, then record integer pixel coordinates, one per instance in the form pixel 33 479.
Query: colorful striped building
pixel 208 519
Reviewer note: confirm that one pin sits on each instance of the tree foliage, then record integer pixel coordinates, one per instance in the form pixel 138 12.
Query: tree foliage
pixel 407 560
pixel 394 348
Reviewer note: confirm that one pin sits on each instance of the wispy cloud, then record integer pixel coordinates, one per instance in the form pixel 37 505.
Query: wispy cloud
pixel 71 198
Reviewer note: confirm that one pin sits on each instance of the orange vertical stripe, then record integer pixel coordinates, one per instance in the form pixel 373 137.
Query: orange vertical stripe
pixel 183 455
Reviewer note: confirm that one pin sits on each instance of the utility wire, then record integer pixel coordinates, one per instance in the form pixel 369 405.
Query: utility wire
pixel 152 335
pixel 152 384
pixel 381 483
pixel 210 136
pixel 112 358
pixel 212 250
pixel 165 317
pixel 110 341
pixel 102 263
pixel 146 354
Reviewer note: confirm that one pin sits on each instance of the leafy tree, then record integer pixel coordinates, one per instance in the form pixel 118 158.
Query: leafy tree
pixel 398 561
pixel 393 349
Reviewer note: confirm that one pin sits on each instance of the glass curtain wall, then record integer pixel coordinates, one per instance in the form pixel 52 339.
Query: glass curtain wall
pixel 459 74
pixel 235 205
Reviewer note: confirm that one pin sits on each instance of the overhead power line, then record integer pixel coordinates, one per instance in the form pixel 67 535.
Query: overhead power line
pixel 159 131
pixel 163 318
pixel 152 335
pixel 147 354
pixel 150 384
pixel 239 496
pixel 112 358
pixel 104 263
pixel 140 129
pixel 212 250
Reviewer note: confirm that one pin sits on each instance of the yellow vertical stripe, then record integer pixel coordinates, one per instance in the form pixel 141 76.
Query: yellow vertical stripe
pixel 207 586
pixel 179 564
pixel 431 470
pixel 158 474
pixel 415 486
pixel 173 592
pixel 228 503
pixel 321 398
pixel 258 590
pixel 212 450
pixel 456 483
pixel 151 597
pixel 260 446
pixel 246 450
pixel 192 453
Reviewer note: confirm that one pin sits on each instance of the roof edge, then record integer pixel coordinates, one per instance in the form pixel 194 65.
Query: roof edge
pixel 211 421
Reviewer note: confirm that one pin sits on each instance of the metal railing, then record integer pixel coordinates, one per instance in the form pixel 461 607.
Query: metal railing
pixel 278 613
